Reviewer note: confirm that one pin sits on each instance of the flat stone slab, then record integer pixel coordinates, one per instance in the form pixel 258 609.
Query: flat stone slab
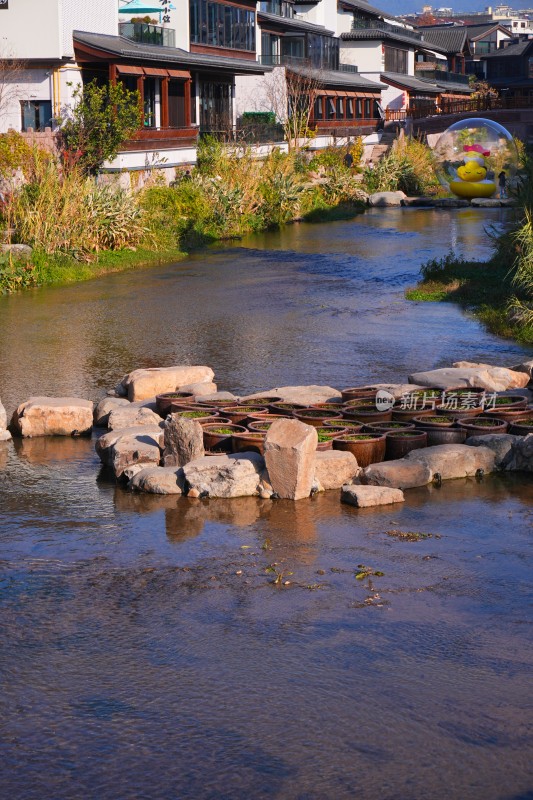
pixel 158 480
pixel 369 496
pixel 53 416
pixel 334 468
pixel 493 379
pixel 104 407
pixel 454 460
pixel 398 474
pixel 144 383
pixel 306 395
pixel 237 475
pixel 131 415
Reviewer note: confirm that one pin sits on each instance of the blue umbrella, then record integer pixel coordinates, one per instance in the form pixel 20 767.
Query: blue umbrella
pixel 139 7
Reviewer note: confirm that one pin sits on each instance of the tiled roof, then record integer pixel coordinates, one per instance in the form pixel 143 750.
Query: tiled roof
pixel 295 23
pixel 451 38
pixel 480 30
pixel 411 83
pixel 350 80
pixel 360 5
pixel 386 35
pixel 510 50
pixel 120 47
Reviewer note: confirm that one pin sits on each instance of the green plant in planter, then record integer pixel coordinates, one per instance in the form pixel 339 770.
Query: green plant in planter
pixel 223 431
pixel 406 434
pixel 506 401
pixel 194 414
pixel 359 437
pixel 485 423
pixel 439 420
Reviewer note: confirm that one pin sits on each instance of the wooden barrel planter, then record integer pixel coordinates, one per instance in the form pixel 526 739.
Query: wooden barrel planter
pixel 400 414
pixel 316 416
pixel 368 448
pixel 262 422
pixel 217 438
pixel 248 442
pixel 326 436
pixel 239 415
pixel 522 427
pixel 351 425
pixel 400 443
pixel 285 409
pixel 482 426
pixel 164 401
pixel 440 430
pixel 206 417
pixel 367 414
pixel 386 427
pixel 358 392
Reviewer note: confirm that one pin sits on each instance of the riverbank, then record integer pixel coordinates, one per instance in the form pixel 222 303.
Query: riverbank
pixel 483 287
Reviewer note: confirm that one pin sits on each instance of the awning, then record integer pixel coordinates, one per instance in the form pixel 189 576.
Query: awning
pixel 125 69
pixel 153 72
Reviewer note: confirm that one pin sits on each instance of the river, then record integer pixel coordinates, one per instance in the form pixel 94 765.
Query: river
pixel 145 652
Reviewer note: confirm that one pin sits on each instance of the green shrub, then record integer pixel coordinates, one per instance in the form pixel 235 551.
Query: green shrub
pixel 15 273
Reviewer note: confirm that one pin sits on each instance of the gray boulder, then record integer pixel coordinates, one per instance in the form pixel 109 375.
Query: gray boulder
pixel 454 460
pixel 53 416
pixel 121 449
pixel 401 473
pixel 381 199
pixel 158 480
pixel 183 441
pixel 520 457
pixel 237 475
pixel 500 443
pixel 369 496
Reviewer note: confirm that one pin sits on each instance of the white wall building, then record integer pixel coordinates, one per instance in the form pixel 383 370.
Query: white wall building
pixel 38 33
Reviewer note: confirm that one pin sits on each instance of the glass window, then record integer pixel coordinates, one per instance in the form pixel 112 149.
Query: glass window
pixel 319 108
pixel 359 108
pixel 350 108
pixel 221 25
pixel 36 114
pixel 368 109
pixel 395 60
pixel 331 108
pixel 176 104
pixel 340 107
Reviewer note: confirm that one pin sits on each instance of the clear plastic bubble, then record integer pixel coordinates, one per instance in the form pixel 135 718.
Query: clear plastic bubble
pixel 471 157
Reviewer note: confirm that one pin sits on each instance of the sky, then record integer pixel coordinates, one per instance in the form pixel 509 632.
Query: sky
pixel 397 7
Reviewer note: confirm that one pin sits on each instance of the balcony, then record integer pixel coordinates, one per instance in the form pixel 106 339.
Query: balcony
pixel 279 60
pixel 278 7
pixel 377 24
pixel 441 75
pixel 143 33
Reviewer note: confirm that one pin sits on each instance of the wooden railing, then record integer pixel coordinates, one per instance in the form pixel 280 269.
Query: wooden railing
pixel 467 106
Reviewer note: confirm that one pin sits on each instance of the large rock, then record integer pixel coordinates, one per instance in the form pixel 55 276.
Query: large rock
pixel 334 468
pixel 525 366
pixel 493 379
pixel 235 475
pixel 121 449
pixel 143 383
pixel 499 375
pixel 200 389
pixel 368 496
pixel 520 457
pixel 290 454
pixel 184 441
pixel 399 474
pixel 454 460
pixel 500 443
pixel 386 199
pixel 5 436
pixel 53 416
pixel 158 480
pixel 104 407
pixel 132 415
pixel 306 395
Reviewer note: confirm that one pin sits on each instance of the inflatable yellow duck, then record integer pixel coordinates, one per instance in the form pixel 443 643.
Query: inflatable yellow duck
pixel 471 175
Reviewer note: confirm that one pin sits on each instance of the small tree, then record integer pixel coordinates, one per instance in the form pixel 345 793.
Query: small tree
pixel 101 119
pixel 11 76
pixel 290 94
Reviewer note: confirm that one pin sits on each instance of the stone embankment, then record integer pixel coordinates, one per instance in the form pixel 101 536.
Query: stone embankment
pixel 149 453
pixel 395 199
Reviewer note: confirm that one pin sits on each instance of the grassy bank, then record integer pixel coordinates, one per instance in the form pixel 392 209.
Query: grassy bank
pixel 79 229
pixel 487 289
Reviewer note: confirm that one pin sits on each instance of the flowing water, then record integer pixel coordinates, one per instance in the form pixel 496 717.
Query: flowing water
pixel 145 651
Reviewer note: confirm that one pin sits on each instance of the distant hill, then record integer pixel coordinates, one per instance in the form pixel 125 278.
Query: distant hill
pixel 398 7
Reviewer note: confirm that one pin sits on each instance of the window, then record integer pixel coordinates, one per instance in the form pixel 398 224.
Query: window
pixel 368 113
pixel 340 107
pixel 350 103
pixel 319 108
pixel 176 104
pixel 331 108
pixel 359 108
pixel 220 25
pixel 396 60
pixel 149 102
pixel 36 114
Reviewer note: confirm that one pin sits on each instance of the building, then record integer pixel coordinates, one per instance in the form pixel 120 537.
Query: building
pixel 510 70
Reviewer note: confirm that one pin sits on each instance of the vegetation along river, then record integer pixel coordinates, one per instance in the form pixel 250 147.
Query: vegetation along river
pixel 144 651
